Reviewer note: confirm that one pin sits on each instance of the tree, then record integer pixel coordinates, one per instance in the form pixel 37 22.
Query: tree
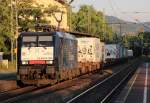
pixel 52 11
pixel 28 15
pixel 88 20
pixel 5 33
pixel 8 17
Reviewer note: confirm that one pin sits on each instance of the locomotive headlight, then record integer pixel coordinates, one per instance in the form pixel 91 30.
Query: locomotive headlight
pixel 24 62
pixel 49 62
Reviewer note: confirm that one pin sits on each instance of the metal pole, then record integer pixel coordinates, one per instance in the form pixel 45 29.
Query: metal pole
pixel 120 29
pixel 16 16
pixel 70 21
pixel 142 43
pixel 16 36
pixel 103 29
pixel 11 23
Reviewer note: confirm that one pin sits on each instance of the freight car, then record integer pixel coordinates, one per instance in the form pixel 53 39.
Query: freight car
pixel 115 53
pixel 112 53
pixel 90 54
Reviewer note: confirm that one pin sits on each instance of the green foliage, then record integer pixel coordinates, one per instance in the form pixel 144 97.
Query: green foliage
pixel 51 9
pixel 4 24
pixel 28 15
pixel 25 14
pixel 145 38
pixel 131 41
pixel 88 20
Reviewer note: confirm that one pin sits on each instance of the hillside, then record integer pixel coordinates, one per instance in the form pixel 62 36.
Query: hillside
pixel 126 26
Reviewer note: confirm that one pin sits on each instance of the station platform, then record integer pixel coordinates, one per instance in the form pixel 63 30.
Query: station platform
pixel 137 89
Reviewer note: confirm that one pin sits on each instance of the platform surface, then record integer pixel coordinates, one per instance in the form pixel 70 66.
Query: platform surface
pixel 137 89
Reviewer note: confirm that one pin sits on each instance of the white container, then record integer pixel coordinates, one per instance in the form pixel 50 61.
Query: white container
pixel 130 53
pixel 89 49
pixel 112 51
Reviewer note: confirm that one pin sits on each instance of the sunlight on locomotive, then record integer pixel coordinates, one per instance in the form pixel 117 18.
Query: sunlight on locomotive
pixel 37 50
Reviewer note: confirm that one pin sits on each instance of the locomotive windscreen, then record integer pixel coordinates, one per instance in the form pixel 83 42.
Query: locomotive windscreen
pixel 37 49
pixel 37 41
pixel 29 41
pixel 45 41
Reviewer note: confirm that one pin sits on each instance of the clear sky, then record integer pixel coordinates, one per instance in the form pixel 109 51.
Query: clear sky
pixel 124 9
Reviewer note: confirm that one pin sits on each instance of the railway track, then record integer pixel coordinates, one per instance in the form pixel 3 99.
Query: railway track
pixel 103 91
pixel 15 96
pixel 5 91
pixel 19 93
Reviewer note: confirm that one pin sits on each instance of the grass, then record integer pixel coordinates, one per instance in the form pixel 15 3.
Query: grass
pixel 11 68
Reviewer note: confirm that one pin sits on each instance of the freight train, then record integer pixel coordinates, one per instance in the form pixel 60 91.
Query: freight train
pixel 51 57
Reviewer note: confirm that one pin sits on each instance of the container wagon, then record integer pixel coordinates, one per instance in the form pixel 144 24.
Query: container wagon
pixel 112 53
pixel 90 54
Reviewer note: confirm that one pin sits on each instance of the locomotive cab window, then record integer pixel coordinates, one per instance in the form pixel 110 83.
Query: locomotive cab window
pixel 45 41
pixel 29 41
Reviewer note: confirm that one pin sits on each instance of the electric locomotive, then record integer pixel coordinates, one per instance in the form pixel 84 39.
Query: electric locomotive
pixel 46 57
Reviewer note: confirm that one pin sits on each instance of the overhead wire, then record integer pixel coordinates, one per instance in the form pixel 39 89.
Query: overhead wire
pixel 112 7
pixel 130 17
pixel 119 10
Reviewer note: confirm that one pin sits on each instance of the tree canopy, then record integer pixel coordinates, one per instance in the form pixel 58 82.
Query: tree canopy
pixel 4 24
pixel 88 20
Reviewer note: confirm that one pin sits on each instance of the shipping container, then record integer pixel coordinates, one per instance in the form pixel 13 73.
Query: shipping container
pixel 89 49
pixel 130 53
pixel 90 54
pixel 121 51
pixel 125 53
pixel 112 51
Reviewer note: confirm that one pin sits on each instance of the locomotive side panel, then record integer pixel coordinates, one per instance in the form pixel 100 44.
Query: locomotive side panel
pixel 70 52
pixel 67 56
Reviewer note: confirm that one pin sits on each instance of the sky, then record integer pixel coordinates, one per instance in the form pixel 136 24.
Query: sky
pixel 129 10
